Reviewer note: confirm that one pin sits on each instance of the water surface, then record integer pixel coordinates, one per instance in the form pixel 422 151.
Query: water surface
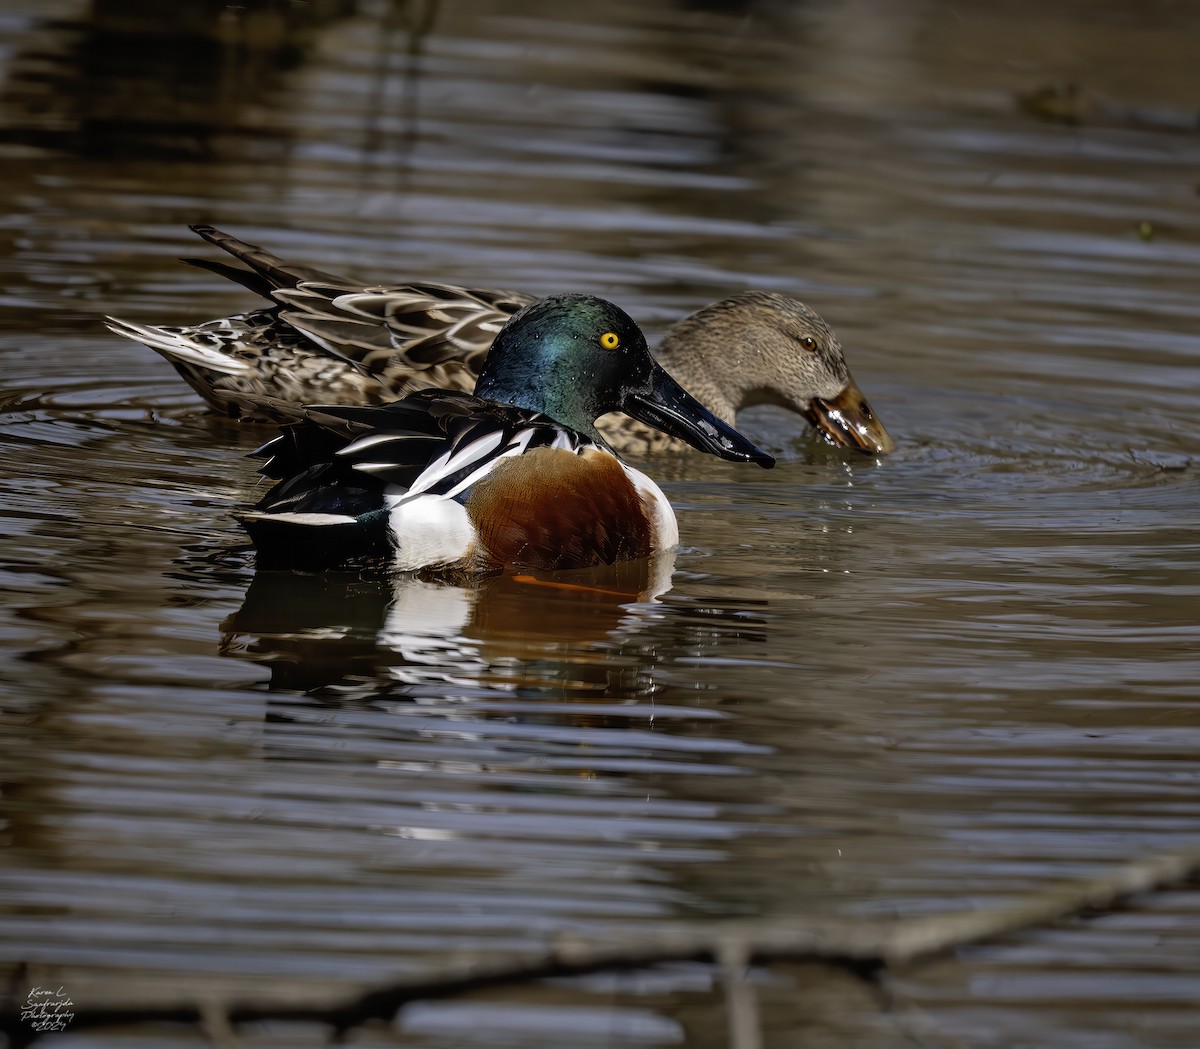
pixel 862 688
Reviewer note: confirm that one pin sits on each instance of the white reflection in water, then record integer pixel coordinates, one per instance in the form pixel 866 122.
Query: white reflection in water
pixel 405 630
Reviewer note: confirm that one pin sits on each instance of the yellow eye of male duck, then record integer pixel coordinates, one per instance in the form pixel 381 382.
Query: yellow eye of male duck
pixel 609 340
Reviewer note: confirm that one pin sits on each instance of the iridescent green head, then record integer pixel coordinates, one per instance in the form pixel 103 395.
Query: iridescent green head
pixel 577 357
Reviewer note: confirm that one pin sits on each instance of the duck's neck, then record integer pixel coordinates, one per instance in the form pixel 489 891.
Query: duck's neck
pixel 571 406
pixel 692 370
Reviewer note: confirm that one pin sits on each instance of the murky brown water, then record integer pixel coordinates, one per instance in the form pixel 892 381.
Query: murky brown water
pixel 872 689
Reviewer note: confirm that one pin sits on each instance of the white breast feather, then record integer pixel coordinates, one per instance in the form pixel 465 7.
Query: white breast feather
pixel 428 530
pixel 663 526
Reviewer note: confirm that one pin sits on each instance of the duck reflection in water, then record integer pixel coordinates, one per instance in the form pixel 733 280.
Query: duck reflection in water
pixel 348 634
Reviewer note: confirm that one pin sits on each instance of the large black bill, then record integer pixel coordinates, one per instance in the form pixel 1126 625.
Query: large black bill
pixel 664 404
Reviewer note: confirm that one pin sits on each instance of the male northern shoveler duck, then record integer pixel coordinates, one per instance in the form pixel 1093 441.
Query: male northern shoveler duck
pixel 327 338
pixel 514 475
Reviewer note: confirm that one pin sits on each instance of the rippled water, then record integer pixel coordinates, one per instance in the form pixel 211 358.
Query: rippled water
pixel 862 689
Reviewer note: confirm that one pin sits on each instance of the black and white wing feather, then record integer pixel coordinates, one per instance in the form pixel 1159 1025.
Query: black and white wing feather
pixel 435 443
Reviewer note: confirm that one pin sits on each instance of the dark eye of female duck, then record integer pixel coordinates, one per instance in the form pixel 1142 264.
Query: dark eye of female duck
pixel 808 342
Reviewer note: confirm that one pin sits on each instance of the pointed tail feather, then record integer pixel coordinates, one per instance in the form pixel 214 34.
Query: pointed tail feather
pixel 279 273
pixel 178 345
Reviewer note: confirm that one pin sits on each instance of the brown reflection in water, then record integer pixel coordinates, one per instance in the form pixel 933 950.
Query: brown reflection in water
pixel 321 631
pixel 160 78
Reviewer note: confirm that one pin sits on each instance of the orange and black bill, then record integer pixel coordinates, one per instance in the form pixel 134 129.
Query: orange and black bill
pixel 847 420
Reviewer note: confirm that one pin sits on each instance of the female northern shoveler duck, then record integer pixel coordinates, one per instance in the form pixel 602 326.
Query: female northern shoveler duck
pixel 327 338
pixel 515 475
